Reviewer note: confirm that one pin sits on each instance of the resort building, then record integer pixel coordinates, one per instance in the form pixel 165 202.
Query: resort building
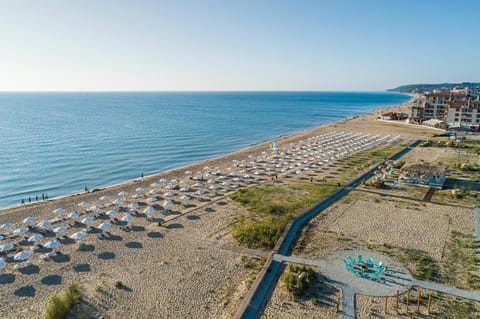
pixel 422 175
pixel 394 116
pixel 463 113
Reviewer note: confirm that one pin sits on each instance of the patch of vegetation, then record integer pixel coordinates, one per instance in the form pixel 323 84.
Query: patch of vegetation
pixel 398 164
pixel 297 279
pixel 58 307
pixel 422 266
pixel 461 260
pixel 271 208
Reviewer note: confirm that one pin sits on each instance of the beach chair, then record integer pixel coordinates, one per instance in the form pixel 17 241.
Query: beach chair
pixel 376 274
pixel 356 272
pixel 378 265
pixel 347 264
pixel 352 261
pixel 360 259
pixel 370 261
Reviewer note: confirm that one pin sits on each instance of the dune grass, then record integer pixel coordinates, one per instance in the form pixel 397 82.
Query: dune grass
pixel 270 208
pixel 58 307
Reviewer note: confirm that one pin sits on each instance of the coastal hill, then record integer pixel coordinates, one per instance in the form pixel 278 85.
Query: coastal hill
pixel 420 88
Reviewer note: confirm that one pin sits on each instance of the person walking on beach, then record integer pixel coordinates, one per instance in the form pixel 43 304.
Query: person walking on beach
pixel 142 174
pixel 23 201
pixel 36 198
pixel 29 199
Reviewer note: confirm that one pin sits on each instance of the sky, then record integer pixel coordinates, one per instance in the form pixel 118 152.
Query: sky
pixel 203 45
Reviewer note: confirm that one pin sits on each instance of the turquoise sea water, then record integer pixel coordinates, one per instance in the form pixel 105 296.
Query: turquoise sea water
pixel 58 143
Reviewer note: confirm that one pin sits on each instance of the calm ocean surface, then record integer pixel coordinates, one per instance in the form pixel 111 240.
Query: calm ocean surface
pixel 57 143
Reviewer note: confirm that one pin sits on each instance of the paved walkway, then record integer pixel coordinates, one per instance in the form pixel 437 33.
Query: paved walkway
pixel 396 278
pixel 476 215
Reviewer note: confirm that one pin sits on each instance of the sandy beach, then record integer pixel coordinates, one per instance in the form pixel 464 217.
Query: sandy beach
pixel 183 264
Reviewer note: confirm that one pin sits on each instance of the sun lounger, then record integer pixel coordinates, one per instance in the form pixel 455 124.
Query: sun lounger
pixel 370 262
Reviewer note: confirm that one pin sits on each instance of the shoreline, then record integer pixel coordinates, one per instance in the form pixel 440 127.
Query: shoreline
pixel 252 147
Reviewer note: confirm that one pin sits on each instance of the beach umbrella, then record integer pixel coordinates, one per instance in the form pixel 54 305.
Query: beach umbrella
pixel 155 184
pixel 104 226
pixel 183 182
pixel 185 197
pixel 133 205
pixel 29 220
pixel 170 186
pixel 118 202
pixel 198 184
pixel 96 207
pixel 188 172
pixel 214 187
pixel 123 193
pixel 52 244
pixel 35 237
pixel 83 204
pixel 211 181
pixel 111 212
pixel 169 194
pixel 149 210
pixel 20 230
pixel 6 247
pixel 104 197
pixel 163 180
pixel 6 226
pixel 78 235
pixel 59 211
pixel 2 263
pixel 44 223
pixel 127 218
pixel 200 192
pixel 87 220
pixel 139 189
pixel 167 203
pixel 154 191
pixel 152 199
pixel 2 237
pixel 22 255
pixel 136 196
pixel 184 189
pixel 60 229
pixel 73 215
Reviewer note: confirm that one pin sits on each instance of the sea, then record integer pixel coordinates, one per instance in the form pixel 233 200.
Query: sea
pixel 59 143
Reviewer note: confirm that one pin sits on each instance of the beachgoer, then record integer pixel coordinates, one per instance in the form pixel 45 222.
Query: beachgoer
pixel 23 201
pixel 29 199
pixel 46 196
pixel 43 196
pixel 36 198
pixel 142 175
pixel 86 188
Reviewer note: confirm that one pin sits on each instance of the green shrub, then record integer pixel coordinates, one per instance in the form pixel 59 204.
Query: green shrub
pixel 297 279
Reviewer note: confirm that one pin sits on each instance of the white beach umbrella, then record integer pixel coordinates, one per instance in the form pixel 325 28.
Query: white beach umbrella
pixel 211 181
pixel 44 223
pixel 152 199
pixel 73 215
pixel 111 212
pixel 198 184
pixel 169 194
pixel 83 204
pixel 59 211
pixel 35 237
pixel 96 207
pixel 123 193
pixel 188 172
pixel 170 186
pixel 184 182
pixel 104 197
pixel 214 187
pixel 104 226
pixel 184 189
pixel 6 226
pixel 139 189
pixel 2 237
pixel 2 264
pixel 6 247
pixel 118 202
pixel 185 197
pixel 78 235
pixel 133 205
pixel 149 210
pixel 29 220
pixel 60 229
pixel 22 255
pixel 87 220
pixel 163 180
pixel 200 192
pixel 155 184
pixel 52 244
pixel 154 191
pixel 167 203
pixel 20 230
pixel 136 196
pixel 127 218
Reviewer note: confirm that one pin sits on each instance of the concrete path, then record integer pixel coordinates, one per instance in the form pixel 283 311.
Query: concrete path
pixel 476 215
